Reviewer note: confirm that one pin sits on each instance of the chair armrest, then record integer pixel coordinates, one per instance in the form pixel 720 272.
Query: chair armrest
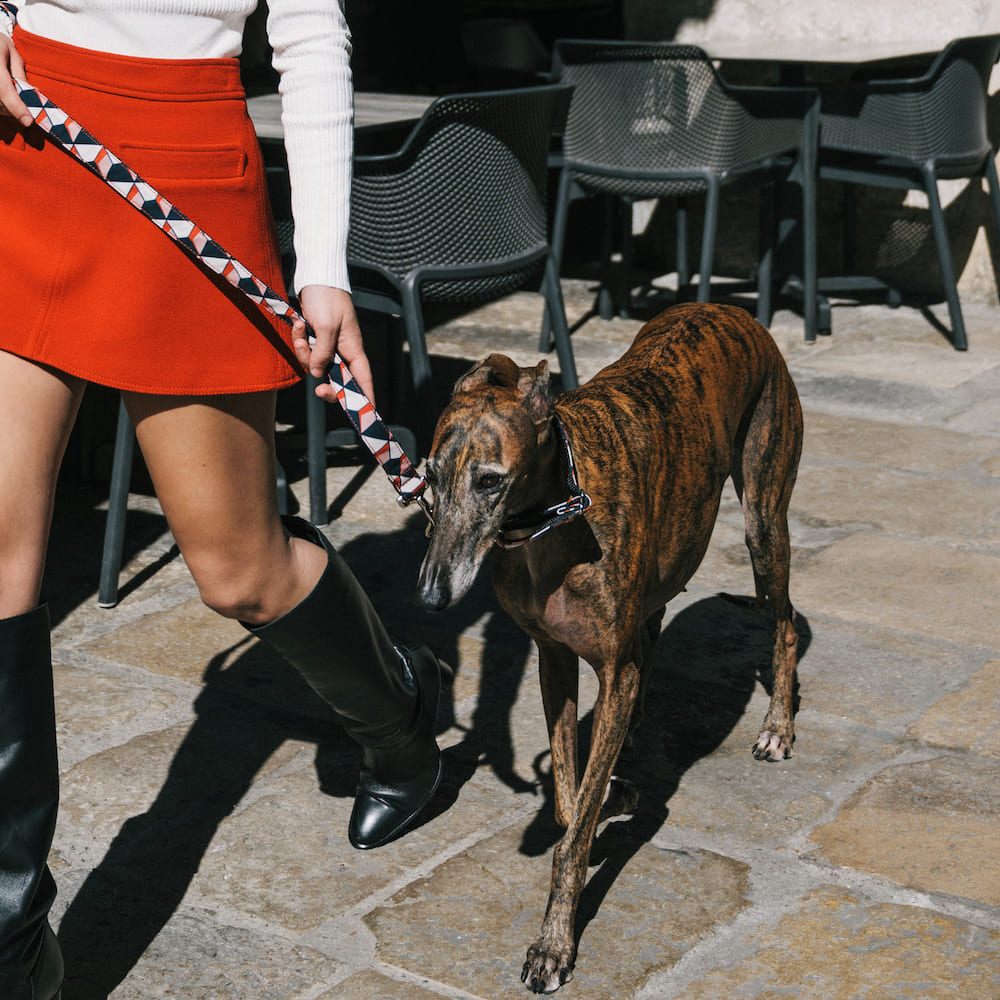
pixel 775 101
pixel 382 140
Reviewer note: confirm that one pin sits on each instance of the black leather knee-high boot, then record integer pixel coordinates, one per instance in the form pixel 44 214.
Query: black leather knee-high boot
pixel 31 965
pixel 386 696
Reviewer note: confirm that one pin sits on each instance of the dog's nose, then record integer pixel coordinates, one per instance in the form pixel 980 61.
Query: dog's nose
pixel 433 589
pixel 433 596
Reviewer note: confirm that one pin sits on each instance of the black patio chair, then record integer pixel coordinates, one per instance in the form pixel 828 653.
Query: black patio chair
pixel 457 215
pixel 656 120
pixel 909 134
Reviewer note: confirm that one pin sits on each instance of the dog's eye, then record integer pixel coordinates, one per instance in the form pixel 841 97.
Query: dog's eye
pixel 488 481
pixel 430 477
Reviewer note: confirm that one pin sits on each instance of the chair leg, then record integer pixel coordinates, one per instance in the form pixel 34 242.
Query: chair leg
pixel 683 271
pixel 850 229
pixel 708 242
pixel 420 364
pixel 809 165
pixel 624 295
pixel 606 305
pixel 958 338
pixel 556 248
pixel 993 183
pixel 316 451
pixel 114 528
pixel 765 253
pixel 555 309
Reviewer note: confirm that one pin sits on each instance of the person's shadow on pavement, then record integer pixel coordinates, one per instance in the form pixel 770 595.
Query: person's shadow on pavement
pixel 245 712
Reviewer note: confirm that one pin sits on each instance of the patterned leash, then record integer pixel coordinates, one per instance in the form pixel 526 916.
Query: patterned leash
pixel 99 160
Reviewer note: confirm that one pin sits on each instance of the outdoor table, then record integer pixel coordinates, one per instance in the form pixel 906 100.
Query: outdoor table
pixel 796 61
pixel 371 110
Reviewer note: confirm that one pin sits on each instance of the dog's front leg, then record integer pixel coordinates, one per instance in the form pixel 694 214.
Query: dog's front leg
pixel 559 679
pixel 550 959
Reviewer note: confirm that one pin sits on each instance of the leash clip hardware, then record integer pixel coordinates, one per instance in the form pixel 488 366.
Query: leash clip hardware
pixel 425 506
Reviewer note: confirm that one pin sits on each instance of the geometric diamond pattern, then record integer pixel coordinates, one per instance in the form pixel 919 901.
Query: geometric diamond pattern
pixel 99 160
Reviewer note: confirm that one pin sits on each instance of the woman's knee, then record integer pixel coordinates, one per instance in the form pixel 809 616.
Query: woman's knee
pixel 259 588
pixel 231 589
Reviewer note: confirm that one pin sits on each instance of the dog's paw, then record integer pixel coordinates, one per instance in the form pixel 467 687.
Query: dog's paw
pixel 621 798
pixel 772 746
pixel 546 970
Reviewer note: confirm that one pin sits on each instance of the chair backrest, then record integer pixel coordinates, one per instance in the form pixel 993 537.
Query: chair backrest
pixel 657 109
pixel 939 116
pixel 466 191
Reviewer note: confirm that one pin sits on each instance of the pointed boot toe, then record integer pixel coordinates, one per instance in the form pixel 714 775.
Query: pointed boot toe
pixel 399 780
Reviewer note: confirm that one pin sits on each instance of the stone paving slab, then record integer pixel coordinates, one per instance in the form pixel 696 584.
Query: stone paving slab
pixel 285 859
pixel 968 719
pixel 660 903
pixel 372 986
pixel 194 955
pixel 940 510
pixel 903 446
pixel 905 585
pixel 943 818
pixel 837 946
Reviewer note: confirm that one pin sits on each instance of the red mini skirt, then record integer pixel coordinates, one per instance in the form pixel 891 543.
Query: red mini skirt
pixel 93 288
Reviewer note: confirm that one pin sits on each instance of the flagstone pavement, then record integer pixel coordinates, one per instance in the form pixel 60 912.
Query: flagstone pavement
pixel 201 848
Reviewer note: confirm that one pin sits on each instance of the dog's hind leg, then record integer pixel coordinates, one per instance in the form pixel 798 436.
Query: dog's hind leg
pixel 765 475
pixel 649 633
pixel 622 797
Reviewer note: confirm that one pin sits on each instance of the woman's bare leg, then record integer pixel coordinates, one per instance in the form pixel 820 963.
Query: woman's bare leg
pixel 37 408
pixel 213 466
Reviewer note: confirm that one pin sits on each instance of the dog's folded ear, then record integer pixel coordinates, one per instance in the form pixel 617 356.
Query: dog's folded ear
pixel 535 389
pixel 496 370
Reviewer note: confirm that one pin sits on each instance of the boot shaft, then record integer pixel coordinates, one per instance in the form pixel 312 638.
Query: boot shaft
pixel 29 789
pixel 337 642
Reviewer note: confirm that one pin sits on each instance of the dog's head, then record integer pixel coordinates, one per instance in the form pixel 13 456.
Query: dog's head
pixel 484 464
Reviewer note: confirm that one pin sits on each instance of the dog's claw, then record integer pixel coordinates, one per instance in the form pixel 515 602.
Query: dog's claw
pixel 771 746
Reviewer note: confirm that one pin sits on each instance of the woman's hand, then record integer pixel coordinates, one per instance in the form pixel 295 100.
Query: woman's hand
pixel 330 313
pixel 11 65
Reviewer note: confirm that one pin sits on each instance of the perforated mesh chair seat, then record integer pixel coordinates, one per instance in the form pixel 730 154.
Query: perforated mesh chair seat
pixel 911 133
pixel 655 120
pixel 458 215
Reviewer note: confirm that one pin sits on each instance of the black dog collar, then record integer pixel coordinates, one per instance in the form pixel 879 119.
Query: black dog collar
pixel 522 528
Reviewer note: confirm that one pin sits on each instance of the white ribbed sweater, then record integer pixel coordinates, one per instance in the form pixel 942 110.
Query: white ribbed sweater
pixel 312 51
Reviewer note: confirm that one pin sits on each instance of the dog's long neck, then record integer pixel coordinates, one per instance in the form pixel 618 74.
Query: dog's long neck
pixel 557 498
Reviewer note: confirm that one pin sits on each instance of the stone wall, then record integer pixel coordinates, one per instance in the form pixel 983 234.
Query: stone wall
pixel 849 20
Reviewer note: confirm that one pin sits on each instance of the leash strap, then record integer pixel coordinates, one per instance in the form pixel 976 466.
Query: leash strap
pixel 537 522
pixel 99 160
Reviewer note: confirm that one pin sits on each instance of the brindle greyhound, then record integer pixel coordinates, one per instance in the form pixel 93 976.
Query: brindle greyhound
pixel 702 394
